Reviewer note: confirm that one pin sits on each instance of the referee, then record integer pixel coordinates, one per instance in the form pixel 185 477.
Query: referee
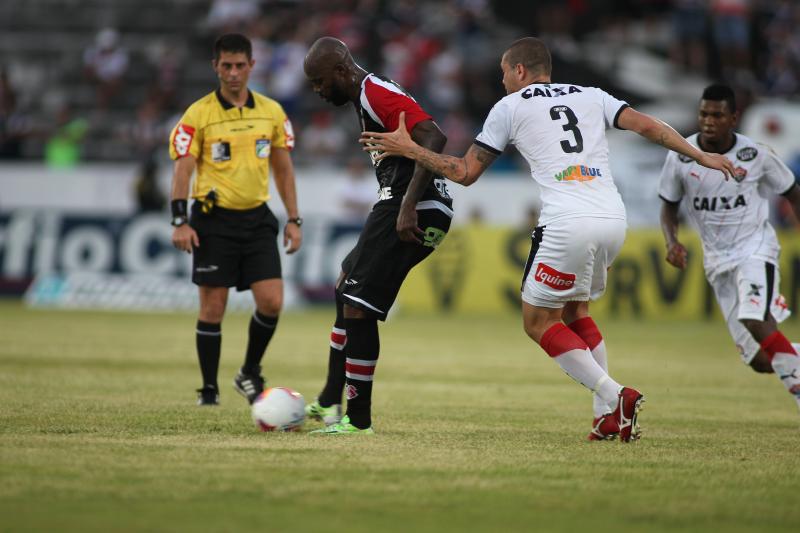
pixel 232 137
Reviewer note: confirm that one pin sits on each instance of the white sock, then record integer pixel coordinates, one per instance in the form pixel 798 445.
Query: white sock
pixel 787 369
pixel 581 366
pixel 598 405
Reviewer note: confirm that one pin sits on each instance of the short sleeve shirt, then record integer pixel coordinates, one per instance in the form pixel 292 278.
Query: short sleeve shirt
pixel 232 146
pixel 560 131
pixel 732 216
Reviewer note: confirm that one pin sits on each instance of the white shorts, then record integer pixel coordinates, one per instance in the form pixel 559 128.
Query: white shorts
pixel 749 291
pixel 569 259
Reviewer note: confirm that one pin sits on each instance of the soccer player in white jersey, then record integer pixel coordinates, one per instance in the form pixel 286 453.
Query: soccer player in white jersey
pixel 740 249
pixel 560 130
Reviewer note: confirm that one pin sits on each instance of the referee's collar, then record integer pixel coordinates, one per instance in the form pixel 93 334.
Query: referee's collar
pixel 251 102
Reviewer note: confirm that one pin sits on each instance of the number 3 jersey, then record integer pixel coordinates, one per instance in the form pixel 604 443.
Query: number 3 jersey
pixel 730 215
pixel 560 131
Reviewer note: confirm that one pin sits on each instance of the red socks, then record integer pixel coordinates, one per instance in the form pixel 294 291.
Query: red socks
pixel 561 339
pixel 777 343
pixel 587 330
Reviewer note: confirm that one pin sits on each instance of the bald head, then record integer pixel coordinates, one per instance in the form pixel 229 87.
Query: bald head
pixel 333 73
pixel 326 51
pixel 531 53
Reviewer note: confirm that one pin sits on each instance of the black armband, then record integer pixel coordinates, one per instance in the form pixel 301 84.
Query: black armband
pixel 179 208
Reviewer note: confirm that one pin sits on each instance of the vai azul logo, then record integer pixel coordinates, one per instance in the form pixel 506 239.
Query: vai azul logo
pixel 578 173
pixel 553 278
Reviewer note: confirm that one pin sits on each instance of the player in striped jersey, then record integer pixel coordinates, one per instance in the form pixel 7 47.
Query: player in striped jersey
pixel 740 248
pixel 409 220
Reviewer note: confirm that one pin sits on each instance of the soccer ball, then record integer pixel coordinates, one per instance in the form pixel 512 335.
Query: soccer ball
pixel 279 409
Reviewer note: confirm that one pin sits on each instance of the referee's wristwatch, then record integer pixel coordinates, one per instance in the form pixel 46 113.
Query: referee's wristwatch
pixel 179 220
pixel 297 220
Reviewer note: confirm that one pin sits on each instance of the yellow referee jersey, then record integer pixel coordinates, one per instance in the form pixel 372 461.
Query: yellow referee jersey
pixel 232 146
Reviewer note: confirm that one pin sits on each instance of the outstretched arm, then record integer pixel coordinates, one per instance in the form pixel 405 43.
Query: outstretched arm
pixel 676 252
pixel 659 132
pixel 464 170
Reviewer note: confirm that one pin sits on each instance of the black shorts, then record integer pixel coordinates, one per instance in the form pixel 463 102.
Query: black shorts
pixel 237 248
pixel 376 268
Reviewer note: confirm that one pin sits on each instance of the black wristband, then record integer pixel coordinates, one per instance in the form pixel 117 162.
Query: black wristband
pixel 179 208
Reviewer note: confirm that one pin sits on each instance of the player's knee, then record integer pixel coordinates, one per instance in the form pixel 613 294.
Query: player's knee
pixel 270 305
pixel 212 312
pixel 353 312
pixel 534 329
pixel 761 364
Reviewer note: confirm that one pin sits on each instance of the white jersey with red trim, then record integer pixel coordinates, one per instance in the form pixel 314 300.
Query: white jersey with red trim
pixel 732 216
pixel 380 103
pixel 560 131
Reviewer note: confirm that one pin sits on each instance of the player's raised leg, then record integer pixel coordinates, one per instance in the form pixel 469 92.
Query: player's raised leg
pixel 776 354
pixel 757 285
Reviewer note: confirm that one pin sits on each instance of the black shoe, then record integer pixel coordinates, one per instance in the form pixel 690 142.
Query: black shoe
pixel 249 385
pixel 208 395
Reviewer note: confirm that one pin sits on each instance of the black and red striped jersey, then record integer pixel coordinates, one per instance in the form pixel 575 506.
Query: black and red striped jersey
pixel 380 103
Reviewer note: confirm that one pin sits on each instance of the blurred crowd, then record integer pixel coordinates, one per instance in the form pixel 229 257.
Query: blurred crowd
pixel 446 53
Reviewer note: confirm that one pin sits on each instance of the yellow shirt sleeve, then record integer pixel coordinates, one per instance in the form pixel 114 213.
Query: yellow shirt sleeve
pixel 187 136
pixel 283 134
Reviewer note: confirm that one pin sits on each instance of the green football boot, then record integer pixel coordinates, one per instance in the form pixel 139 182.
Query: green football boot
pixel 344 428
pixel 327 415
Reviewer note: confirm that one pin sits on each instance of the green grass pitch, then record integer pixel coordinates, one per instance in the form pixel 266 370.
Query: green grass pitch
pixel 476 431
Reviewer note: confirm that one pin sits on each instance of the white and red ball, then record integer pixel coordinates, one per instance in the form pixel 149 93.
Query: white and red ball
pixel 279 409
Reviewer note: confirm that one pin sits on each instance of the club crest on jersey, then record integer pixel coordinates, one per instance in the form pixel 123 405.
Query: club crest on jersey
pixel 549 92
pixel 684 158
pixel 718 203
pixel 553 278
pixel 262 148
pixel 578 173
pixel 748 153
pixel 739 173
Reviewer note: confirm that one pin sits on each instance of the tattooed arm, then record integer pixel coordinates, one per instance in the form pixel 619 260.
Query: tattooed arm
pixel 659 132
pixel 464 170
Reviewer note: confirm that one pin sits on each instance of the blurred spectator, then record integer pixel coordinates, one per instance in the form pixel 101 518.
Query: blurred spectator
pixel 149 128
pixel 63 148
pixel 780 51
pixel 460 132
pixel 731 25
pixel 359 193
pixel 166 60
pixel 105 64
pixel 324 141
pixel 148 195
pixel 286 79
pixel 445 81
pixel 226 16
pixel 11 123
pixel 689 30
